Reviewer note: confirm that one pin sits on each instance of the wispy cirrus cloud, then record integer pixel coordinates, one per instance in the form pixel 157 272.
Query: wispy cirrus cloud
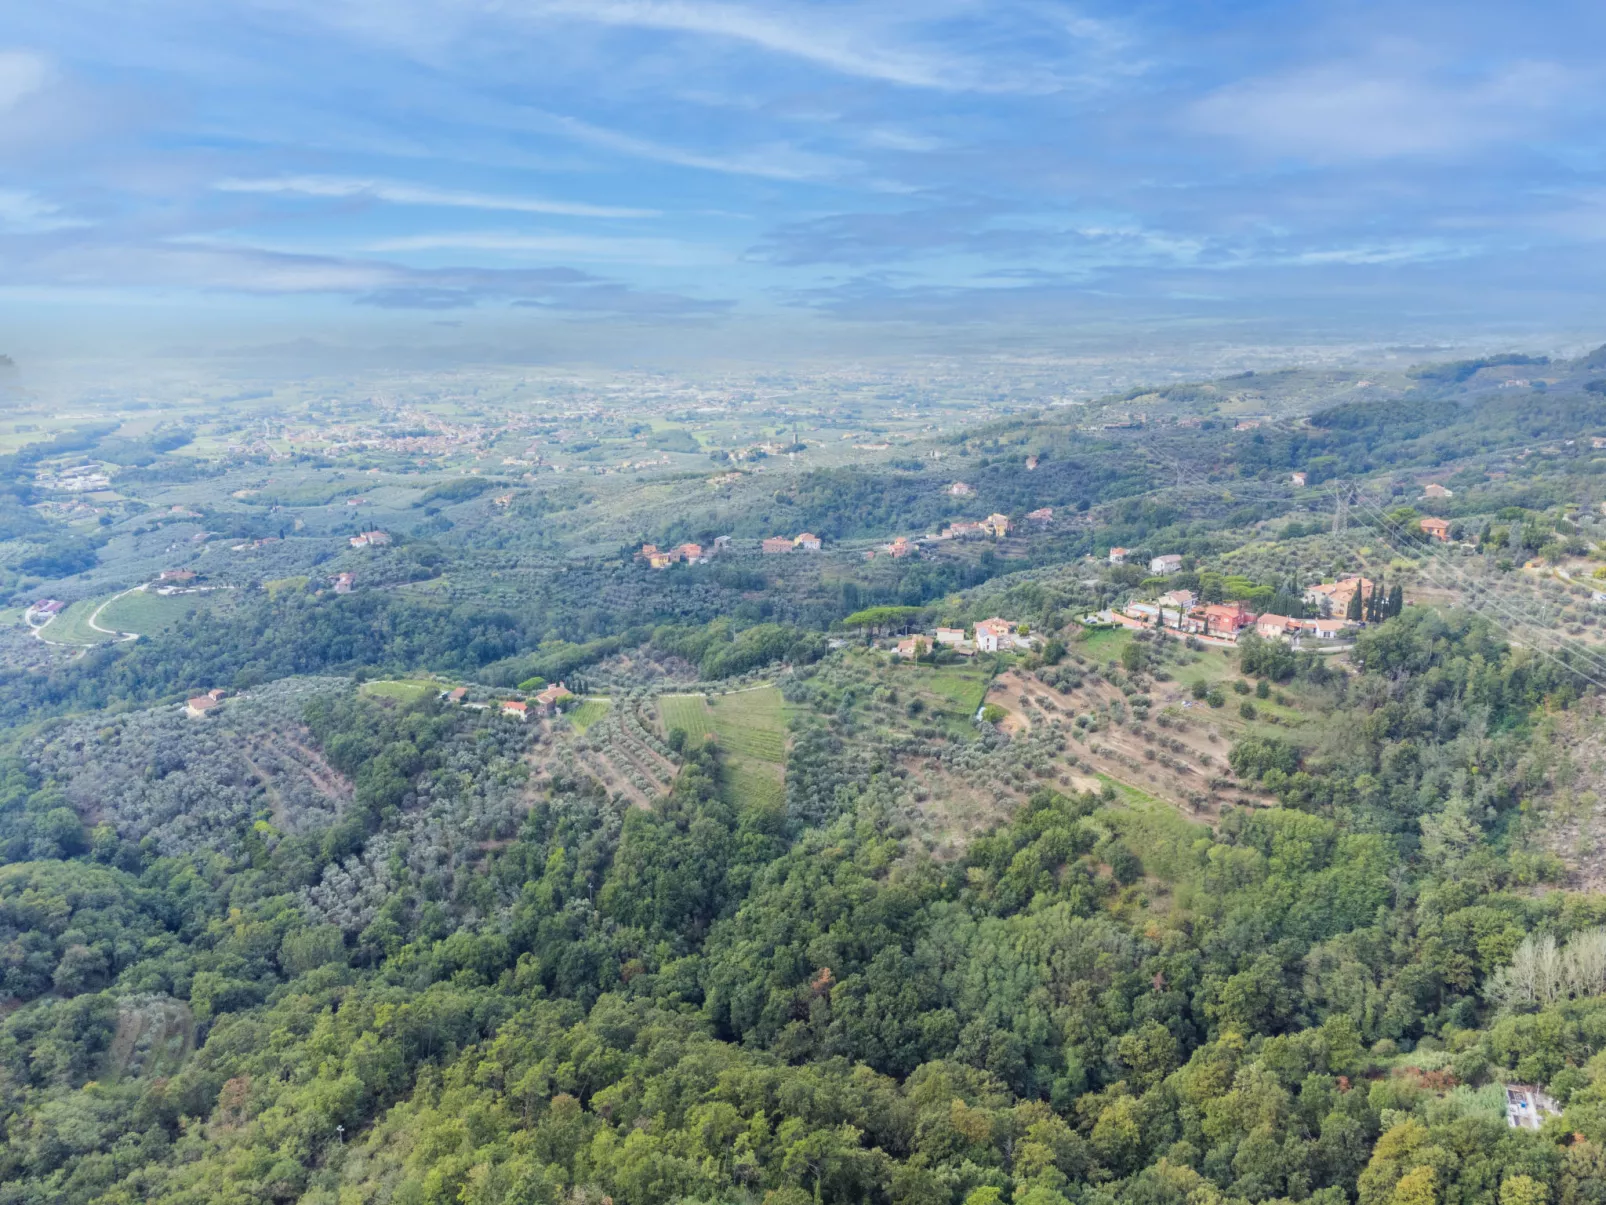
pixel 775 161
pixel 835 42
pixel 217 266
pixel 22 73
pixel 25 213
pixel 400 193
pixel 580 248
pixel 1387 106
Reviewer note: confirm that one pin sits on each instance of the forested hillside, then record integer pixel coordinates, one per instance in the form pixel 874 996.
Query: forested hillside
pixel 761 906
pixel 712 999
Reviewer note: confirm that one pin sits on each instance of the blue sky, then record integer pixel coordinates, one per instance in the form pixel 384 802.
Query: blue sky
pixel 1020 166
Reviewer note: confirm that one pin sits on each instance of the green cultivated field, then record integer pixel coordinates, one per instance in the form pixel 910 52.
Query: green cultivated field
pixel 964 688
pixel 753 724
pixel 750 727
pixel 587 712
pixel 688 713
pixel 72 625
pixel 409 690
pixel 146 613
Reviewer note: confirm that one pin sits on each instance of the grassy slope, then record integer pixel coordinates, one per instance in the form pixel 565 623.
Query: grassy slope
pixel 750 727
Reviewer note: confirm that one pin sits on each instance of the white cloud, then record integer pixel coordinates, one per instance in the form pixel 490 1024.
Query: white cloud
pixel 26 213
pixel 579 248
pixel 825 41
pixel 414 194
pixel 22 73
pixel 775 162
pixel 1381 109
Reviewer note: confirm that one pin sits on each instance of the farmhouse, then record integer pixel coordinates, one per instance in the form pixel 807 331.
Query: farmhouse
pixel 1438 529
pixel 776 544
pixel 1332 598
pixel 553 697
pixel 1171 562
pixel 1226 619
pixel 200 705
pixel 518 710
pixel 1118 555
pixel 996 525
pixel 993 635
pixel 808 542
pixel 1042 516
pixel 1276 627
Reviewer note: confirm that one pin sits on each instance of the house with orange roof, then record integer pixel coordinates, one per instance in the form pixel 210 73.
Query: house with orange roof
pixel 994 635
pixel 1437 529
pixel 553 697
pixel 1226 619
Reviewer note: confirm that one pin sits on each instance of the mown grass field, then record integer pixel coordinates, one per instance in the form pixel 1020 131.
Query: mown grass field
pixel 965 688
pixel 689 713
pixel 146 613
pixel 72 625
pixel 750 727
pixel 587 712
pixel 1102 644
pixel 753 724
pixel 280 584
pixel 405 690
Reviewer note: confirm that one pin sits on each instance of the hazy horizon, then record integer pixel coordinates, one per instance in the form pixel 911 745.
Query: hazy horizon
pixel 670 179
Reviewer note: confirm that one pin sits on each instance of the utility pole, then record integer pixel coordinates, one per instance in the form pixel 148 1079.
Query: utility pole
pixel 1340 509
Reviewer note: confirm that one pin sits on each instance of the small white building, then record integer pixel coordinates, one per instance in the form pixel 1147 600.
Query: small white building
pixel 1171 562
pixel 1118 555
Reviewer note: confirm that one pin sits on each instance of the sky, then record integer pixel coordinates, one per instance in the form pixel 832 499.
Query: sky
pixel 905 172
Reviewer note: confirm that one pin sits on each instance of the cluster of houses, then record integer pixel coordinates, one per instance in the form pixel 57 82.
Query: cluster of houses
pixel 697 554
pixel 370 539
pixel 547 701
pixel 79 479
pixel 1180 611
pixel 688 553
pixel 995 525
pixel 662 558
pixel 806 541
pixel 993 635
